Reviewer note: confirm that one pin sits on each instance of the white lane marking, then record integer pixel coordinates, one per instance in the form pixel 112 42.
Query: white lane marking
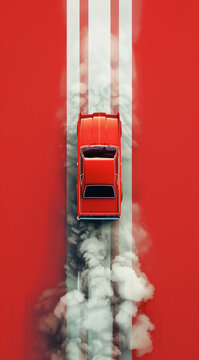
pixel 99 56
pixel 73 330
pixel 99 101
pixel 125 108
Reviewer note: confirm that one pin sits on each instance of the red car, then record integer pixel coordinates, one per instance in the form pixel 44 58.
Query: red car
pixel 99 185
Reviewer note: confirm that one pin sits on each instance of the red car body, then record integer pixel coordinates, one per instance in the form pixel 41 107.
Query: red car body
pixel 99 185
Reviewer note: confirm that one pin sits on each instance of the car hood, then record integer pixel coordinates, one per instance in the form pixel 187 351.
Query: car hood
pixel 99 130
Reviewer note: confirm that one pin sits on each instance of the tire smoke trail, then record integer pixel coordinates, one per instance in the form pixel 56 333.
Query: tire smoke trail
pixel 88 249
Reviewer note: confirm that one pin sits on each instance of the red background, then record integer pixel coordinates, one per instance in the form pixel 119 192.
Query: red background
pixel 33 196
pixel 165 166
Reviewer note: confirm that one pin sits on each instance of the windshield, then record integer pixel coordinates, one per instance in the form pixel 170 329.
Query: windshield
pixel 99 191
pixel 99 151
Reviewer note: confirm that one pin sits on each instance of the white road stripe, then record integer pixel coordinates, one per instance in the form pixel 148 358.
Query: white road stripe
pixel 99 56
pixel 99 101
pixel 73 330
pixel 125 108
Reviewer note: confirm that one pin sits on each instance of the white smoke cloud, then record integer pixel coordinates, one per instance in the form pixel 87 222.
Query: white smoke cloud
pixel 127 309
pixel 94 315
pixel 133 285
pixel 141 339
pixel 93 251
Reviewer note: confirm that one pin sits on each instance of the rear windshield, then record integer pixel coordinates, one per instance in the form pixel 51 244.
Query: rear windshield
pixel 99 191
pixel 99 151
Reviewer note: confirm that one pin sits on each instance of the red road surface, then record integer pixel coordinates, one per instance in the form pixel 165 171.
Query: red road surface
pixel 32 190
pixel 165 167
pixel 166 171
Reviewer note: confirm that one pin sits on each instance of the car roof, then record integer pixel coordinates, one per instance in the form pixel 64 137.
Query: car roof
pixel 99 171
